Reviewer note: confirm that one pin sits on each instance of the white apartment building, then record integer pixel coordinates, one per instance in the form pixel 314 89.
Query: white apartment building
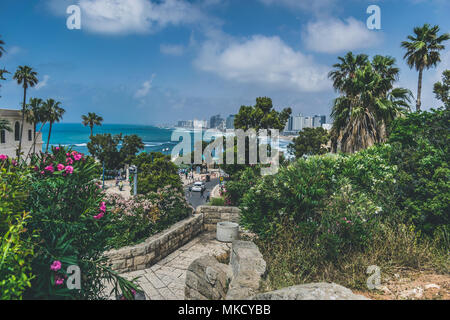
pixel 9 141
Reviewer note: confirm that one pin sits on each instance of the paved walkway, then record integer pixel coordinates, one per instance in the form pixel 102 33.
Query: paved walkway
pixel 165 280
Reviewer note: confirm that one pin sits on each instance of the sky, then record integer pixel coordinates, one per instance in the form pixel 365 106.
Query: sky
pixel 157 62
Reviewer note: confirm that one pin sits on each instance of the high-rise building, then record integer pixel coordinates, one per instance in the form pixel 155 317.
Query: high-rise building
pixel 308 122
pixel 318 121
pixel 230 121
pixel 216 121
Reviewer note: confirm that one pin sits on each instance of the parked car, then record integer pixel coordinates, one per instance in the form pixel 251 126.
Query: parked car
pixel 199 186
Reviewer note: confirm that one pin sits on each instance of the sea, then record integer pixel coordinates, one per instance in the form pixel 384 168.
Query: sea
pixel 76 136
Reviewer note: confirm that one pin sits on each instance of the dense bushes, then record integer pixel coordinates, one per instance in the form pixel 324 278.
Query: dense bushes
pixel 421 152
pixel 137 218
pixel 68 227
pixel 385 205
pixel 16 249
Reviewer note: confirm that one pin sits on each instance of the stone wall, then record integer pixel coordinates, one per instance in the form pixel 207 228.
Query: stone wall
pixel 157 247
pixel 213 215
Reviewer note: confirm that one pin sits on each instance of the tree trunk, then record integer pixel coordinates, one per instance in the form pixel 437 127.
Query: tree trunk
pixel 23 121
pixel 34 138
pixel 419 91
pixel 92 130
pixel 49 134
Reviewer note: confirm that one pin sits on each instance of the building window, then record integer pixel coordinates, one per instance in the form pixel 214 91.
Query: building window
pixel 17 131
pixel 30 135
pixel 2 136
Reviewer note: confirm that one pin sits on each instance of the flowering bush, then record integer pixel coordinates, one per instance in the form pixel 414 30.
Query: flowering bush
pixel 70 217
pixel 137 218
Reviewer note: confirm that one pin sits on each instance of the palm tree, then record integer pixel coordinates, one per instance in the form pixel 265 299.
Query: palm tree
pixel 422 51
pixel 26 77
pixel 2 50
pixel 4 125
pixel 91 120
pixel 52 112
pixel 346 69
pixel 33 114
pixel 367 105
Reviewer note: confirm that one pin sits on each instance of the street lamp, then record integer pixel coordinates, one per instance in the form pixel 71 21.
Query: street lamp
pixel 134 170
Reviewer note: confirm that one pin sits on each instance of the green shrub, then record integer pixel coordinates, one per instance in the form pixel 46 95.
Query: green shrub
pixel 217 202
pixel 16 248
pixel 421 152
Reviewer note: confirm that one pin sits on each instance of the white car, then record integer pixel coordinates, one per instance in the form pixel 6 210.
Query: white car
pixel 198 186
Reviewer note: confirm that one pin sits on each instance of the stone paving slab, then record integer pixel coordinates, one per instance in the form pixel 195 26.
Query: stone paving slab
pixel 165 280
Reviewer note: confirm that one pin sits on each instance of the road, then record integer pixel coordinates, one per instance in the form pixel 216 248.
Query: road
pixel 195 198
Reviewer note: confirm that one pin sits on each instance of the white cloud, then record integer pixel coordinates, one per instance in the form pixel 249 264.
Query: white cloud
pixel 262 60
pixel 131 16
pixel 43 83
pixel 334 35
pixel 145 88
pixel 316 6
pixel 172 49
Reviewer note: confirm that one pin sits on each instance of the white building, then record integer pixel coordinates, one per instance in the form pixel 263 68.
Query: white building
pixel 200 124
pixel 9 141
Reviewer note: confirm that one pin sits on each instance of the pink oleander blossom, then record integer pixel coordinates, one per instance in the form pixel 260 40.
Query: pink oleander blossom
pixel 99 216
pixel 3 157
pixel 77 157
pixel 60 167
pixel 56 265
pixel 69 169
pixel 69 161
pixel 59 280
pixel 103 207
pixel 49 168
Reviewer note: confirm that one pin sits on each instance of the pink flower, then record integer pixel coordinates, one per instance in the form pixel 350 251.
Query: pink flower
pixel 99 216
pixel 59 280
pixel 49 168
pixel 103 207
pixel 60 167
pixel 69 161
pixel 36 168
pixel 69 169
pixel 42 172
pixel 74 153
pixel 68 154
pixel 56 265
pixel 57 148
pixel 3 157
pixel 14 163
pixel 78 157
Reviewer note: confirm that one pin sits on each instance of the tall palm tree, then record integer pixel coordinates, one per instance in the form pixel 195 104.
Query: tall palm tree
pixel 368 103
pixel 422 52
pixel 26 77
pixel 91 120
pixel 33 114
pixel 346 69
pixel 52 112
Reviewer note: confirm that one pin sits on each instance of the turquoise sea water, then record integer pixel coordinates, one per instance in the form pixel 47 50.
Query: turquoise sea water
pixel 76 135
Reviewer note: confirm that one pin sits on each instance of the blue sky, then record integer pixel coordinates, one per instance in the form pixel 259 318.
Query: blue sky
pixel 153 62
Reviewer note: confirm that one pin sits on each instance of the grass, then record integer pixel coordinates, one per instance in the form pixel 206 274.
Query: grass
pixel 294 259
pixel 217 202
